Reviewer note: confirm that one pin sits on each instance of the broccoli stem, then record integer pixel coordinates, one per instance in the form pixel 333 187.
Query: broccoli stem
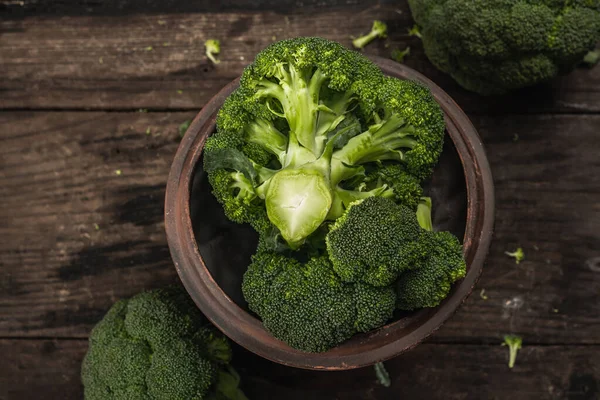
pixel 424 213
pixel 381 141
pixel 265 134
pixel 383 377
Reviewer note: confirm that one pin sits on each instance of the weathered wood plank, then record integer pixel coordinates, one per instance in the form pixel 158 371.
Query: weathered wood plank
pixel 129 61
pixel 60 274
pixel 431 371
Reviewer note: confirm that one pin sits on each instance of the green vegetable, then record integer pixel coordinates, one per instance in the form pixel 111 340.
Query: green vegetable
pixel 308 306
pixel 379 30
pixel 592 58
pixel 518 254
pixel 309 120
pixel 383 377
pixel 415 31
pixel 399 55
pixel 213 48
pixel 514 345
pixel 430 281
pixel 494 46
pixel 374 241
pixel 157 345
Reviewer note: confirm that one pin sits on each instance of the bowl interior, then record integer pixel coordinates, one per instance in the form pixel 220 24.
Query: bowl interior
pixel 226 246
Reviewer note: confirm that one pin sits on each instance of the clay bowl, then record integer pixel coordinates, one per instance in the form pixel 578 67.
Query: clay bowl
pixel 212 253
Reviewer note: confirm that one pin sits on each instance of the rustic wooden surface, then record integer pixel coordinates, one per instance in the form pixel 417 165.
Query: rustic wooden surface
pixel 82 96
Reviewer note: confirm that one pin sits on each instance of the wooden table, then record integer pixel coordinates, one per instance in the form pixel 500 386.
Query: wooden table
pixel 91 97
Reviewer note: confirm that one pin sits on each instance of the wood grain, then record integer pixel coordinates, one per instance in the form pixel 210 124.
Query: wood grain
pixel 431 371
pixel 60 273
pixel 148 59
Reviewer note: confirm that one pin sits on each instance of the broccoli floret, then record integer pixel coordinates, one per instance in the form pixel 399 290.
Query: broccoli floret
pixel 399 55
pixel 379 30
pixel 592 58
pixel 518 254
pixel 307 305
pixel 430 282
pixel 157 345
pixel 213 48
pixel 292 135
pixel 374 241
pixel 494 46
pixel 514 344
pixel 405 187
pixel 408 127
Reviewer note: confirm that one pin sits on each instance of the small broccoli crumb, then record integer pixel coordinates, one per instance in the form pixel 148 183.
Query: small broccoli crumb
pixel 515 137
pixel 483 295
pixel 514 345
pixel 118 172
pixel 96 226
pixel 383 377
pixel 518 255
pixel 184 127
pixel 415 31
pixel 213 48
pixel 149 48
pixel 379 30
pixel 591 58
pixel 148 131
pixel 143 110
pixel 179 91
pixel 398 55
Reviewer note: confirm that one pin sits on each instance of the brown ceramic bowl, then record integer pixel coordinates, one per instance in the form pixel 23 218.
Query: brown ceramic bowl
pixel 212 253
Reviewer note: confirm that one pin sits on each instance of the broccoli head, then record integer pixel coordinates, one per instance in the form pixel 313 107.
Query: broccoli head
pixel 494 46
pixel 308 118
pixel 374 241
pixel 430 282
pixel 307 306
pixel 157 345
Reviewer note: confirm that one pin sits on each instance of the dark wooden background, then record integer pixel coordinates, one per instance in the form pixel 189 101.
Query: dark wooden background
pixel 90 87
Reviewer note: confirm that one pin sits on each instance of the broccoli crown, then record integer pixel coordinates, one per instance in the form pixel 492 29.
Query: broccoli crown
pixel 494 46
pixel 156 345
pixel 430 282
pixel 406 188
pixel 309 116
pixel 374 241
pixel 308 306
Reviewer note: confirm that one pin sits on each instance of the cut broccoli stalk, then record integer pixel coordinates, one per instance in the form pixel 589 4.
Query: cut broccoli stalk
pixel 514 344
pixel 424 214
pixel 213 47
pixel 379 30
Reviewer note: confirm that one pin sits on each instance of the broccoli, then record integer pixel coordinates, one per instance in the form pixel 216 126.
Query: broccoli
pixel 374 241
pixel 379 30
pixel 592 58
pixel 399 55
pixel 494 46
pixel 383 377
pixel 430 282
pixel 518 254
pixel 310 117
pixel 307 306
pixel 157 345
pixel 213 47
pixel 514 345
pixel 406 188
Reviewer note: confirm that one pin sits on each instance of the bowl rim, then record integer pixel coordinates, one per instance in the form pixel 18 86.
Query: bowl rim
pixel 248 331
